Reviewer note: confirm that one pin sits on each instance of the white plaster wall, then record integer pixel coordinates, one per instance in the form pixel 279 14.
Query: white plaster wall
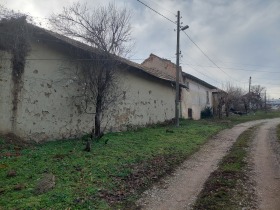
pixel 147 101
pixel 5 93
pixel 46 110
pixel 195 98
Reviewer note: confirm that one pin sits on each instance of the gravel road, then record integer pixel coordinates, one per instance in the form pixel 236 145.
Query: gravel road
pixel 266 166
pixel 180 190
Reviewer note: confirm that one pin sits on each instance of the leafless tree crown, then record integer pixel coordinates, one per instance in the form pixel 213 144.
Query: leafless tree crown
pixel 107 28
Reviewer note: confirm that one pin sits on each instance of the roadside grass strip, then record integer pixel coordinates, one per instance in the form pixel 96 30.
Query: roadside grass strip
pixel 226 188
pixel 278 132
pixel 111 176
pixel 234 119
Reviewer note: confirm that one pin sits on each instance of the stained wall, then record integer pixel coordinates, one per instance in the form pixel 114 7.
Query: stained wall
pixel 195 98
pixel 46 108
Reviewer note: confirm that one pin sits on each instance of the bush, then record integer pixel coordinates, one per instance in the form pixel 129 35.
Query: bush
pixel 206 112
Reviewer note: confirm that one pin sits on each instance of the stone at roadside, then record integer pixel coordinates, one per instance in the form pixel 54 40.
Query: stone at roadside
pixel 46 183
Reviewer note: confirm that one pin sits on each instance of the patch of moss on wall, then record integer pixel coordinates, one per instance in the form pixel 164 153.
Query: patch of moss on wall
pixel 14 38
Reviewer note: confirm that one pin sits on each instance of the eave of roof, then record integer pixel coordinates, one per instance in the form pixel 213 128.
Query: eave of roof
pixel 195 79
pixel 87 48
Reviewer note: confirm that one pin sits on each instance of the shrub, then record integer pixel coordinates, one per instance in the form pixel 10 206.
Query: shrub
pixel 206 112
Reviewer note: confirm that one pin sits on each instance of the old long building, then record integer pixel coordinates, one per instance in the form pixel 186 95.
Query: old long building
pixel 195 97
pixel 43 105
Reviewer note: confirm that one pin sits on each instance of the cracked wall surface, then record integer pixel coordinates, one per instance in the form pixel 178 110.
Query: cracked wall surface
pixel 147 101
pixel 6 97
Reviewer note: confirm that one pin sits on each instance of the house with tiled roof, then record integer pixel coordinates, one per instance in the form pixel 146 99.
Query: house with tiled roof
pixel 43 108
pixel 195 97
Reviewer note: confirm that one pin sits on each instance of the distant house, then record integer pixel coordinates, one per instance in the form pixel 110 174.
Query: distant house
pixel 43 107
pixel 195 97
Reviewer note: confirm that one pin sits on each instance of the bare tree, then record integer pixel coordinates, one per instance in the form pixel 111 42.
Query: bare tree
pixel 257 97
pixel 230 98
pixel 218 102
pixel 107 29
pixel 246 102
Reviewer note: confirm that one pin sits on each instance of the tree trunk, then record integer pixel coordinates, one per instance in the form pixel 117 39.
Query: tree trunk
pixel 220 112
pixel 227 111
pixel 97 117
pixel 246 108
pixel 97 129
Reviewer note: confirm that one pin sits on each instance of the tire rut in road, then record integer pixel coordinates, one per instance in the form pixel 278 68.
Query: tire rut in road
pixel 266 166
pixel 180 190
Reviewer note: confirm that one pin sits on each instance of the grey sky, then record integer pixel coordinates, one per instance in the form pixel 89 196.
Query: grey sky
pixel 241 37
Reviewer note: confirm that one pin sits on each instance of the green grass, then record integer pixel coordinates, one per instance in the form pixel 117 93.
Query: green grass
pixel 254 116
pixel 110 176
pixel 96 179
pixel 278 132
pixel 223 190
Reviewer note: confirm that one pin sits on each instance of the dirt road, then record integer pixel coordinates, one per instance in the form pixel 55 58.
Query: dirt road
pixel 266 166
pixel 179 191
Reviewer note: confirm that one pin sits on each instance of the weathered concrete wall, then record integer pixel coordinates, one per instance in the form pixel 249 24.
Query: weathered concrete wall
pixel 46 108
pixel 5 93
pixel 145 101
pixel 195 98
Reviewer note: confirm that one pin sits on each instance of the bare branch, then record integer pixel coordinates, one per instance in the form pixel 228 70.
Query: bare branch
pixel 108 29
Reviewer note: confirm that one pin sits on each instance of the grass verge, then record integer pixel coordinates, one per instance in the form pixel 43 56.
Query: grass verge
pixel 226 187
pixel 254 116
pixel 111 176
pixel 278 132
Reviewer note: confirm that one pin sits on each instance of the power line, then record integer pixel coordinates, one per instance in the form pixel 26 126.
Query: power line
pixel 246 64
pixel 188 37
pixel 201 67
pixel 270 79
pixel 206 75
pixel 238 69
pixel 207 56
pixel 157 12
pixel 171 22
pixel 163 7
pixel 143 59
pixel 194 60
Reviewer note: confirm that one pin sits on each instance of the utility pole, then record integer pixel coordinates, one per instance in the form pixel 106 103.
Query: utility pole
pixel 249 85
pixel 177 71
pixel 178 67
pixel 265 101
pixel 249 99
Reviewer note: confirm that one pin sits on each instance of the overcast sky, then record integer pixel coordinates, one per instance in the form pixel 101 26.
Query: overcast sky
pixel 242 37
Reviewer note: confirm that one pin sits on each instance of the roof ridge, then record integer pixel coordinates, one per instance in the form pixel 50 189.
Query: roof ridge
pixel 85 47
